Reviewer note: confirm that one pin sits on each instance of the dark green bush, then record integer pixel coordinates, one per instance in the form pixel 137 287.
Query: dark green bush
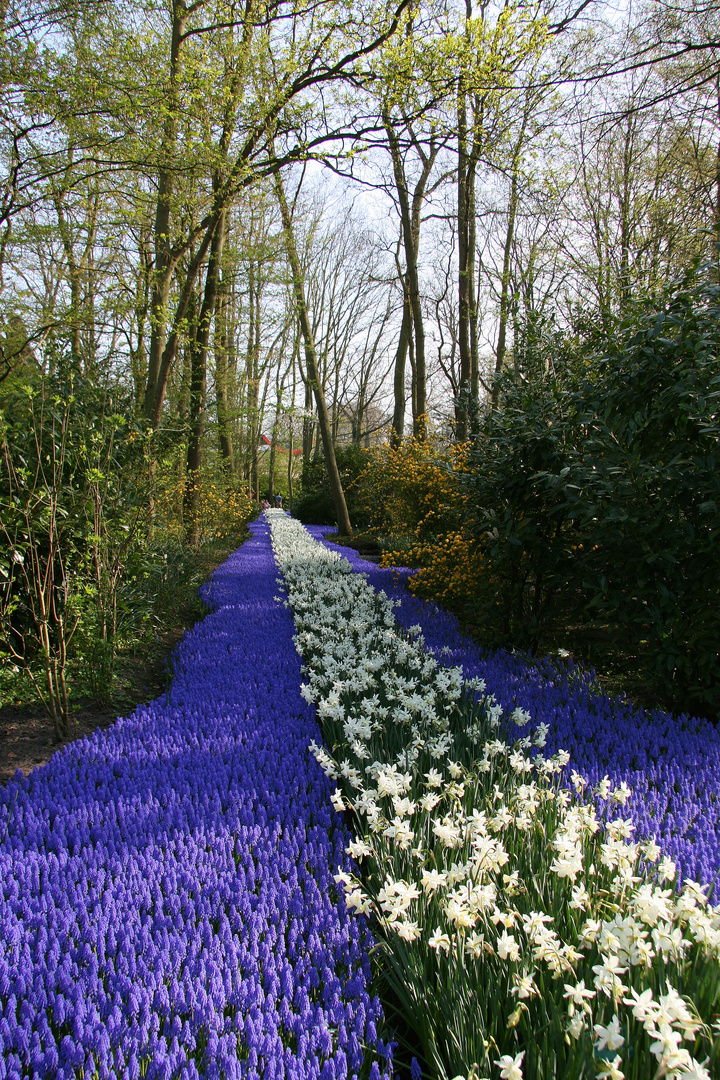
pixel 601 491
pixel 315 505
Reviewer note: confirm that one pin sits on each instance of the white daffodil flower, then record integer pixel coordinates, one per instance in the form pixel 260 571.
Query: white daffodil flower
pixel 511 1067
pixel 610 1037
pixel 439 941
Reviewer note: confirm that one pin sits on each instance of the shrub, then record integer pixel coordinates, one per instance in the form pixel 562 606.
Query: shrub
pixel 315 504
pixel 410 496
pixel 593 491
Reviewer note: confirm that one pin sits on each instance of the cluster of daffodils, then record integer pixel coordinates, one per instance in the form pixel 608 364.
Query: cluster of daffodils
pixel 523 932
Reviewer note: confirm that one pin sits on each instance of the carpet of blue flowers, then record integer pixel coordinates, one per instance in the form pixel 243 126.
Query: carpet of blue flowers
pixel 167 903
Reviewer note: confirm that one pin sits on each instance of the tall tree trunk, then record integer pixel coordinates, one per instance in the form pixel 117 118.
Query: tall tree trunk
pixel 473 298
pixel 398 423
pixel 308 427
pixel 469 147
pixel 716 223
pixel 625 212
pixel 505 288
pixel 251 387
pixel 163 268
pixel 296 347
pixel 344 526
pixel 505 283
pixel 290 466
pixel 221 377
pixel 257 419
pixel 411 276
pixel 198 387
pixel 464 284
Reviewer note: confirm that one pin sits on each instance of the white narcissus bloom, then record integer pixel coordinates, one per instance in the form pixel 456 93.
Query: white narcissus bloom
pixel 620 828
pixel 610 1070
pixel 520 717
pixel 576 1026
pixel 358 901
pixel 520 763
pixel 578 782
pixel 406 931
pixel 511 1067
pixel 507 947
pixel 439 941
pixel 358 849
pixel 580 897
pixel 607 976
pixel 568 866
pixel 534 923
pixel 432 880
pixel 653 905
pixel 511 882
pixel 695 1071
pixel 668 940
pixel 578 995
pixel 337 800
pixel 449 835
pixel 604 787
pixel 667 869
pixel 524 986
pixel 621 794
pixel 610 1037
pixel 403 807
pixel 666 1047
pixel 643 1007
pixel 460 914
pixel 429 801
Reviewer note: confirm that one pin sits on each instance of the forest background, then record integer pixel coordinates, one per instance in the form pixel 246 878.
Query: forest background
pixel 446 273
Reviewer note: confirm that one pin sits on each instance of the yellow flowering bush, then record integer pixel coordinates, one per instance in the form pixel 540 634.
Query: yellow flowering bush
pixel 411 495
pixel 223 511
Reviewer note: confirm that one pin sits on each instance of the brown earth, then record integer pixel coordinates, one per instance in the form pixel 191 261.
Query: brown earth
pixel 27 739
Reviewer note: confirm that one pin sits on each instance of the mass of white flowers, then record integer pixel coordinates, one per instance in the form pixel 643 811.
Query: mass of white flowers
pixel 540 938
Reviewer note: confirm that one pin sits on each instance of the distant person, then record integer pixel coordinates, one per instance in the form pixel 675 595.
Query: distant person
pixel 266 505
pixel 278 501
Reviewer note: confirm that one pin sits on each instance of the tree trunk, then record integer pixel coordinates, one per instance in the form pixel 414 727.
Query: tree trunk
pixel 290 467
pixel 221 377
pixel 163 268
pixel 198 387
pixel 468 156
pixel 292 408
pixel 464 285
pixel 344 526
pixel 398 424
pixel 308 429
pixel 505 284
pixel 411 276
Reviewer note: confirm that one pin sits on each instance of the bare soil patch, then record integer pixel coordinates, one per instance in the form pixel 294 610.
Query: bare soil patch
pixel 27 740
